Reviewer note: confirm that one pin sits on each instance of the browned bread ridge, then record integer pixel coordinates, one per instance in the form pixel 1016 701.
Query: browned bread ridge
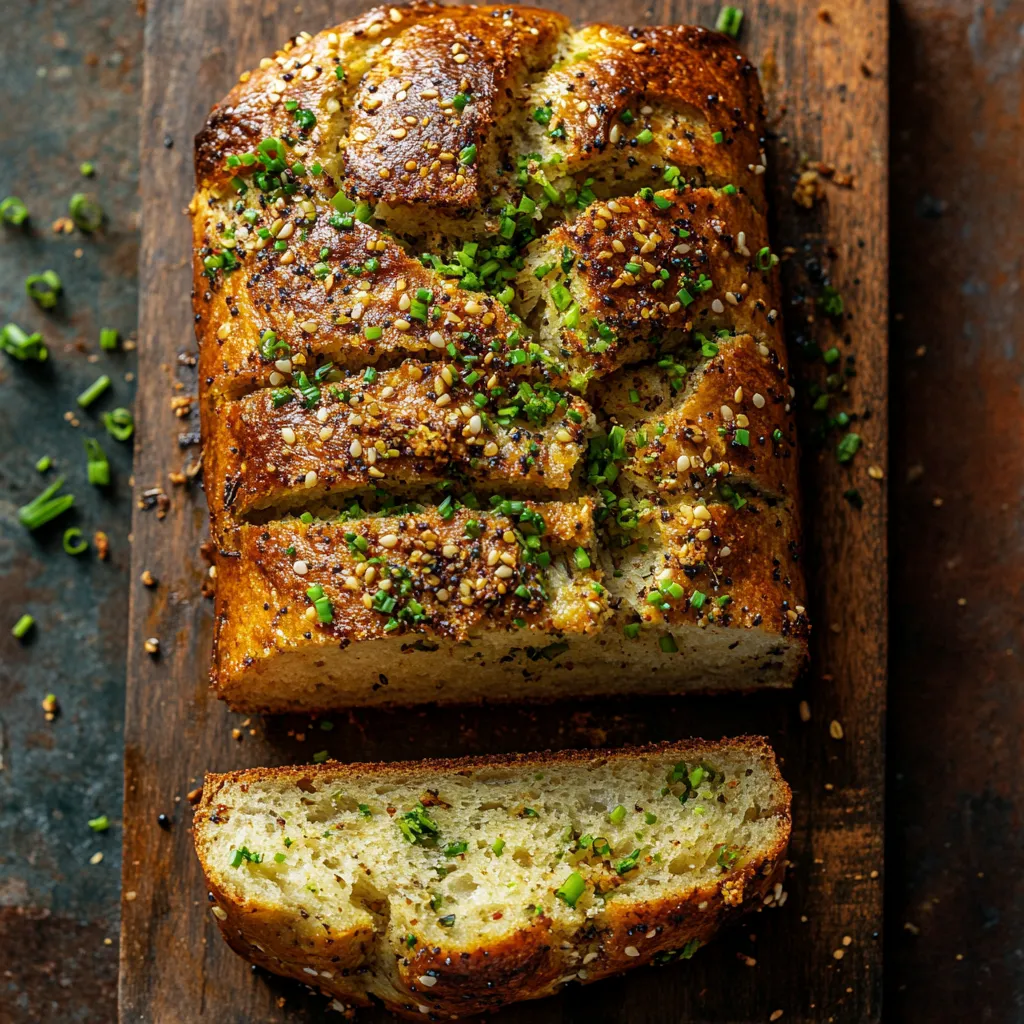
pixel 493 381
pixel 448 888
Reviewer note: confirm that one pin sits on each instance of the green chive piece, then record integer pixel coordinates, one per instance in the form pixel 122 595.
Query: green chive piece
pixel 320 756
pixel 109 338
pixel 631 630
pixel 85 211
pixel 86 169
pixel 100 824
pixel 73 541
pixel 581 558
pixel 44 289
pixel 373 333
pixel 766 259
pixel 45 506
pixel 22 626
pixel 93 391
pixel 44 464
pixel 617 814
pixel 848 447
pixel 120 423
pixel 15 342
pixel 742 437
pixel 278 858
pixel 13 211
pixel 98 467
pixel 467 155
pixel 729 21
pixel 571 889
pixel 650 818
pixel 717 137
pixel 497 846
pixel 645 137
pixel 668 644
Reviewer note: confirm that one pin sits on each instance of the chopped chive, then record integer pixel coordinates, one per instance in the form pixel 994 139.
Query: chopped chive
pixel 97 467
pixel 848 447
pixel 120 424
pixel 645 137
pixel 320 756
pixel 22 626
pixel 497 846
pixel 100 824
pixel 650 818
pixel 373 333
pixel 86 169
pixel 742 437
pixel 467 155
pixel 15 342
pixel 717 137
pixel 279 858
pixel 729 21
pixel 729 190
pixel 93 391
pixel 668 644
pixel 73 541
pixel 44 289
pixel 617 814
pixel 108 339
pixel 697 600
pixel 766 259
pixel 684 296
pixel 45 506
pixel 631 630
pixel 542 115
pixel 13 211
pixel 85 211
pixel 44 464
pixel 581 558
pixel 571 889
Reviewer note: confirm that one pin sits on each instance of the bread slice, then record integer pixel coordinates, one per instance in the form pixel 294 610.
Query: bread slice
pixel 450 259
pixel 447 888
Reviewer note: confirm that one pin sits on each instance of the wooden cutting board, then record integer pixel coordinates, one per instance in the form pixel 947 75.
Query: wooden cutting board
pixel 819 958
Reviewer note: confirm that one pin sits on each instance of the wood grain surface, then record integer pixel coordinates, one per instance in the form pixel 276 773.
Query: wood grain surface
pixel 817 959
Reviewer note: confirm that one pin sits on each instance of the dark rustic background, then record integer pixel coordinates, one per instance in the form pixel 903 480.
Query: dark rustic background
pixel 70 80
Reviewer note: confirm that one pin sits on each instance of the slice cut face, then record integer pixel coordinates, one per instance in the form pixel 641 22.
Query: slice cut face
pixel 454 263
pixel 455 887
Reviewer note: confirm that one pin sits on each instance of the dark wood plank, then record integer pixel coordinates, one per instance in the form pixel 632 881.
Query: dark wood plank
pixel 826 81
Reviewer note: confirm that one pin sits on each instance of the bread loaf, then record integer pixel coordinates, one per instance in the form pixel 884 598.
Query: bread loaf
pixel 446 888
pixel 493 385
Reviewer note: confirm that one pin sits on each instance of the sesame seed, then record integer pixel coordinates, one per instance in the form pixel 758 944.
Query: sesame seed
pixel 355 449
pixel 311 478
pixel 631 950
pixel 726 413
pixel 427 980
pixel 758 401
pixel 436 339
pixel 300 567
pixel 504 572
pixel 389 540
pixel 288 435
pixel 717 307
pixel 682 463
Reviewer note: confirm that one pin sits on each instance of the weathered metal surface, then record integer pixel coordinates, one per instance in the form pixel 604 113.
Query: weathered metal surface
pixel 955 904
pixel 69 77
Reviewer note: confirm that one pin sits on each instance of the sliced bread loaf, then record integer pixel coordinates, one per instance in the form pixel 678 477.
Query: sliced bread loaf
pixel 452 887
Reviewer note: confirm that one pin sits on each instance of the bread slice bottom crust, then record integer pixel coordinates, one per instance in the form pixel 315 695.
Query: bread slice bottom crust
pixel 311 873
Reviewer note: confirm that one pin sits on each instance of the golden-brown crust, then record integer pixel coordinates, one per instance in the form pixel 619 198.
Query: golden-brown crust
pixel 736 425
pixel 442 578
pixel 265 452
pixel 529 963
pixel 744 563
pixel 642 272
pixel 335 317
pixel 408 143
pixel 691 82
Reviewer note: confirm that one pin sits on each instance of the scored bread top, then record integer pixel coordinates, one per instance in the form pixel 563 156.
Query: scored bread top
pixel 448 257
